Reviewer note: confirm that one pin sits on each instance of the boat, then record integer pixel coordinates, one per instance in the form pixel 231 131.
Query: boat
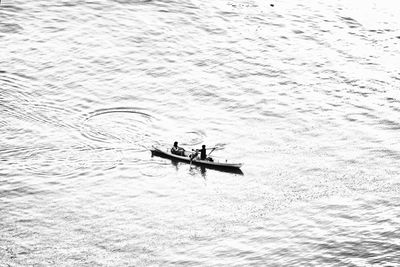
pixel 224 166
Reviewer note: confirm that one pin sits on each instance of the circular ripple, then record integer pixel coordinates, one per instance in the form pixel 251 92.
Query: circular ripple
pixel 191 138
pixel 120 126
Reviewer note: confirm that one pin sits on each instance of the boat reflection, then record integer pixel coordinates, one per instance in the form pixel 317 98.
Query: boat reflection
pixel 203 169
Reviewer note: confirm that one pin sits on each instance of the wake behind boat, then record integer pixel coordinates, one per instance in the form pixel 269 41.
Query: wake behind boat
pixel 186 158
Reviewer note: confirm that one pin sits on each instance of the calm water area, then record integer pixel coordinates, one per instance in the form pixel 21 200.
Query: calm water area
pixel 304 93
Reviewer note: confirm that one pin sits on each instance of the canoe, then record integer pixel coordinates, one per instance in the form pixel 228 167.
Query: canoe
pixel 209 164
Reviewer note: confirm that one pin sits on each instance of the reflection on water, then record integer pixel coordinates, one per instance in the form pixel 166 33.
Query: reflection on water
pixel 203 169
pixel 304 94
pixel 122 125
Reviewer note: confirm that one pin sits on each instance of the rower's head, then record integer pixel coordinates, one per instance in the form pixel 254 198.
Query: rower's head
pixel 203 146
pixel 175 144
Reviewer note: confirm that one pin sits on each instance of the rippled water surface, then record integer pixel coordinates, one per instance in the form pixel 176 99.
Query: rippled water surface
pixel 304 93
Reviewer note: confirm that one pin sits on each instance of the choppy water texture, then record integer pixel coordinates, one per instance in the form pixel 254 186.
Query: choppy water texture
pixel 304 93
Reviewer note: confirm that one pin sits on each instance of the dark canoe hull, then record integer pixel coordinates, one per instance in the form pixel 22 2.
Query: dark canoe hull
pixel 229 167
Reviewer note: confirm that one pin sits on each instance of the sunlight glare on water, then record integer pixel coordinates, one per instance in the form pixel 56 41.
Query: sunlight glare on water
pixel 304 94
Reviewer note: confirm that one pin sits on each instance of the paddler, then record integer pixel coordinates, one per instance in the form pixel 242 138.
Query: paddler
pixel 177 150
pixel 203 154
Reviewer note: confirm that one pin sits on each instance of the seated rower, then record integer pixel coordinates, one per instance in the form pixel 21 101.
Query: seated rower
pixel 203 154
pixel 177 150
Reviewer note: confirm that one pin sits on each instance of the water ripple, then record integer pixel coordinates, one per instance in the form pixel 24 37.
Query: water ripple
pixel 20 99
pixel 119 126
pixel 10 28
pixel 304 93
pixel 59 162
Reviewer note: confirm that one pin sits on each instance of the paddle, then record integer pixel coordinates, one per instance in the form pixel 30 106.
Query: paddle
pixel 211 151
pixel 192 156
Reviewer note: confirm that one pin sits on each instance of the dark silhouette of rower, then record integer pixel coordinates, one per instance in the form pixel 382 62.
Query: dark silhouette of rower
pixel 195 153
pixel 203 154
pixel 177 150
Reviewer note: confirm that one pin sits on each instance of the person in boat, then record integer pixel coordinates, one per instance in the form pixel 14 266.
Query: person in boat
pixel 177 150
pixel 203 154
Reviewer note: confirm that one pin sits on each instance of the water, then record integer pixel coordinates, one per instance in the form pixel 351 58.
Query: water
pixel 305 94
